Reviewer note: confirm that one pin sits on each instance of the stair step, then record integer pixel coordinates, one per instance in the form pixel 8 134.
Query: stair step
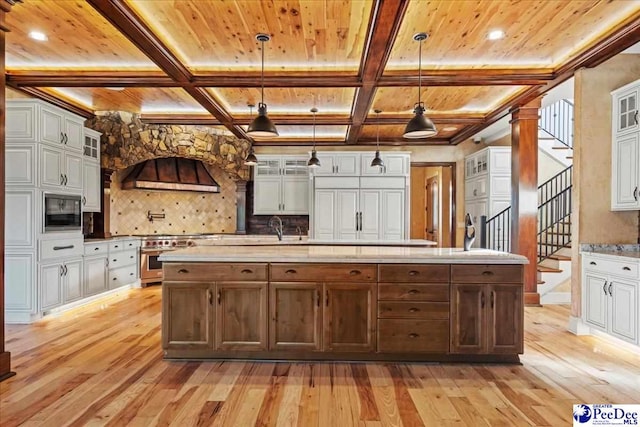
pixel 543 269
pixel 560 257
pixel 559 147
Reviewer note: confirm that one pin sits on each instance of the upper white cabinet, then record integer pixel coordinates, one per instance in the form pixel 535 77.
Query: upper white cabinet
pixel 91 190
pixel 338 164
pixel 625 149
pixel 395 164
pixel 21 164
pixel 60 169
pixel 281 186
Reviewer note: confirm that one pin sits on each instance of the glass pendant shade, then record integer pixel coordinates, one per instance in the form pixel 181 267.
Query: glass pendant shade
pixel 419 126
pixel 377 160
pixel 262 126
pixel 251 159
pixel 313 162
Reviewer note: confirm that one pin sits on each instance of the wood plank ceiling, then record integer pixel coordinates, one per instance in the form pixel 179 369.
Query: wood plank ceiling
pixel 191 61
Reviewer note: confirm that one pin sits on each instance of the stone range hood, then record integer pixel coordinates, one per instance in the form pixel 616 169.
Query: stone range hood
pixel 171 173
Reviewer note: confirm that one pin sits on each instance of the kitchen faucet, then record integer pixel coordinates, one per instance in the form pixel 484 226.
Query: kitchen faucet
pixel 276 223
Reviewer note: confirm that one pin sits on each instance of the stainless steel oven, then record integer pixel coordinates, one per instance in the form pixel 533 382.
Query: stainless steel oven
pixel 62 212
pixel 150 267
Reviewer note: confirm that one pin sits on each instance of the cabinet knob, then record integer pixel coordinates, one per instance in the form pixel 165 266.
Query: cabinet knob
pixel 487 273
pixel 96 249
pixel 413 291
pixel 290 272
pixel 413 335
pixel 355 272
pixel 593 263
pixel 413 273
pixel 626 268
pixel 246 271
pixel 414 310
pixel 183 271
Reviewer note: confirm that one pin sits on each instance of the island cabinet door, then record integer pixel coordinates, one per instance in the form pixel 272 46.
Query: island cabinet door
pixel 187 316
pixel 506 319
pixel 241 316
pixel 349 317
pixel 296 316
pixel 468 318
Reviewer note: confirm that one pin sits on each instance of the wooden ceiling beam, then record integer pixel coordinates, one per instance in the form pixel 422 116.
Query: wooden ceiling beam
pixel 211 104
pixel 468 77
pixel 55 101
pixel 65 78
pixel 277 81
pixel 387 142
pixel 385 22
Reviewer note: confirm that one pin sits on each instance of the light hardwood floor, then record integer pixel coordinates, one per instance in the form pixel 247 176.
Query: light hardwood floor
pixel 103 366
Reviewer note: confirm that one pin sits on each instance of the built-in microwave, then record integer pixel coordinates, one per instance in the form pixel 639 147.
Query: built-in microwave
pixel 62 212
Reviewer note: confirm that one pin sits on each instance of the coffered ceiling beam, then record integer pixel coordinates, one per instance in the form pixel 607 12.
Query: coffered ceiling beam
pixel 211 104
pixel 310 80
pixel 385 22
pixel 90 79
pixel 468 77
pixel 394 142
pixel 55 101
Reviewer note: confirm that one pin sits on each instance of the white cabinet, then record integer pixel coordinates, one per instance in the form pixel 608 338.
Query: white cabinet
pixel 60 169
pixel 281 186
pixel 20 275
pixel 625 149
pixel 610 295
pixel 72 281
pixel 348 206
pixel 20 218
pixel 95 275
pixel 60 283
pixel 91 193
pixel 338 164
pixel 395 164
pixel 57 127
pixel 20 164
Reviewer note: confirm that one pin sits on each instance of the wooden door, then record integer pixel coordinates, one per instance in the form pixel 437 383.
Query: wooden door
pixel 296 316
pixel 187 316
pixel 506 319
pixel 433 209
pixel 241 316
pixel 468 319
pixel 349 317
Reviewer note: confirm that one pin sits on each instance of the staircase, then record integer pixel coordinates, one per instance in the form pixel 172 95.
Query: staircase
pixel 555 131
pixel 554 212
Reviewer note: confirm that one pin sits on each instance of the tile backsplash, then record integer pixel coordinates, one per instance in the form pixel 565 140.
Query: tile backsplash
pixel 185 212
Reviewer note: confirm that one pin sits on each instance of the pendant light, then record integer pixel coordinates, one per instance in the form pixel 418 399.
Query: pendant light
pixel 262 126
pixel 314 162
pixel 377 160
pixel 419 126
pixel 251 159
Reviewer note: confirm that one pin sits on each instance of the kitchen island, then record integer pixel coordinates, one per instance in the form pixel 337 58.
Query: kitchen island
pixel 342 303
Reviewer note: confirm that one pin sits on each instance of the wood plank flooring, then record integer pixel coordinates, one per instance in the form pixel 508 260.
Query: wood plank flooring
pixel 103 366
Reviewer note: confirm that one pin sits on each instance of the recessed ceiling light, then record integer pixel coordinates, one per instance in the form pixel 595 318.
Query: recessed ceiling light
pixel 37 35
pixel 495 35
pixel 449 128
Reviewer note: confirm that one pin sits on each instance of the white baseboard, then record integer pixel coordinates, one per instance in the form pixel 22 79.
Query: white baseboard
pixel 556 298
pixel 578 327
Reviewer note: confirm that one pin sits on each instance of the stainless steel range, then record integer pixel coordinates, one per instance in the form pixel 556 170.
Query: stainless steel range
pixel 152 246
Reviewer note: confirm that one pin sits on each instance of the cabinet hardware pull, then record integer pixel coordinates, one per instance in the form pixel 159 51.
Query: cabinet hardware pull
pixel 131 257
pixel 115 278
pixel 61 138
pixel 66 180
pixel 96 249
pixel 413 335
pixel 604 287
pixel 357 221
pixel 635 194
pixel 635 117
pixel 130 274
pixel 66 139
pixel 610 290
pixel 61 270
pixel 246 271
pixel 326 298
pixel 626 268
pixel 84 200
pixel 413 273
pixel 482 299
pixel 183 271
pixel 413 292
pixel 487 273
pixel 107 262
pixel 413 310
pixel 492 293
pixel 355 272
pixel 61 179
pixel 115 260
pixel 210 296
pixel 318 298
pixel 219 297
pixel 59 248
pixel 290 272
pixel 593 263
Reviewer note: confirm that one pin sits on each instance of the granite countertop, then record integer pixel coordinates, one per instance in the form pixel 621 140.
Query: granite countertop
pixel 109 239
pixel 627 251
pixel 340 254
pixel 267 240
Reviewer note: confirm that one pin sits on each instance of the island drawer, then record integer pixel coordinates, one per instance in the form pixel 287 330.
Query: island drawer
pixel 215 272
pixel 409 336
pixel 413 310
pixel 413 273
pixel 486 273
pixel 438 292
pixel 323 273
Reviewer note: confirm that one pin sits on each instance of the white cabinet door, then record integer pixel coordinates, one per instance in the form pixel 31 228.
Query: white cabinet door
pixel 347 207
pixel 95 275
pixel 267 167
pixel 347 164
pixel 325 215
pixel 20 164
pixel 50 286
pixel 327 165
pixel 72 280
pixel 20 222
pixel 295 196
pixel 19 281
pixel 51 126
pixel 370 210
pixel 73 134
pixel 396 164
pixel 625 173
pixel 596 300
pixel 91 148
pixel 393 214
pixel 626 111
pixel 21 122
pixel 51 166
pixel 91 186
pixel 266 196
pixel 624 309
pixel 73 171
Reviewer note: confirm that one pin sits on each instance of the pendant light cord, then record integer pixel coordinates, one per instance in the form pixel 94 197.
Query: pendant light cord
pixel 314 131
pixel 262 75
pixel 419 72
pixel 378 130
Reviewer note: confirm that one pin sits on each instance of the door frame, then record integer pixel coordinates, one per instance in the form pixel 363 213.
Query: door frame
pixel 452 219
